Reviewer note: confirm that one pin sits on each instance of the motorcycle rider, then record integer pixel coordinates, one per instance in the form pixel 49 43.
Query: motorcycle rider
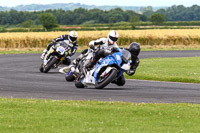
pixel 134 49
pixel 71 39
pixel 106 46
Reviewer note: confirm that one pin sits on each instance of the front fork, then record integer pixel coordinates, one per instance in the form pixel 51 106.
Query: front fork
pixel 60 61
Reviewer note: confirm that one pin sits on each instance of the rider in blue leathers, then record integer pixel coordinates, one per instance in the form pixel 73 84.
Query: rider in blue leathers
pixel 134 49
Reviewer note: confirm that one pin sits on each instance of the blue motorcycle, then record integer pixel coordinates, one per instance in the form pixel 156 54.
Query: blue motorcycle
pixel 105 71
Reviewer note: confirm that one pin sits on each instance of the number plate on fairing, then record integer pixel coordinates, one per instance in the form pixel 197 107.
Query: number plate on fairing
pixel 60 50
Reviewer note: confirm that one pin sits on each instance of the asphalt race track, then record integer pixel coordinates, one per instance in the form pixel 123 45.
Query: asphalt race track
pixel 20 78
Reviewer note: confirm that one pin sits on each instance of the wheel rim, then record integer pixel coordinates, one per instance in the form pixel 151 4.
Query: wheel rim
pixel 101 79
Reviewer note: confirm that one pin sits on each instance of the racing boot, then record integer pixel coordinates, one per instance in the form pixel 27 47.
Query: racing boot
pixel 43 54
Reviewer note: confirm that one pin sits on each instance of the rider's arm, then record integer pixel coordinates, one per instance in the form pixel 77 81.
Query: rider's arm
pixel 96 42
pixel 115 49
pixel 135 62
pixel 73 50
pixel 60 38
pixel 134 65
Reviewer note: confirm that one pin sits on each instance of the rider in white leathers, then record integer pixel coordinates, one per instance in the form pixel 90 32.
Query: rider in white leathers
pixel 106 46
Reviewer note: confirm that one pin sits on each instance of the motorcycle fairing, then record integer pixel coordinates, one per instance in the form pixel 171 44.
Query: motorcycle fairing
pixel 115 58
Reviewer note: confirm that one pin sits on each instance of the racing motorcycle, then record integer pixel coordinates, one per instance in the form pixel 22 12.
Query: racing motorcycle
pixel 106 70
pixel 55 56
pixel 74 70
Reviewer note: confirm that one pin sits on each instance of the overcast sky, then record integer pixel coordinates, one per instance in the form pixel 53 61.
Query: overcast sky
pixel 11 3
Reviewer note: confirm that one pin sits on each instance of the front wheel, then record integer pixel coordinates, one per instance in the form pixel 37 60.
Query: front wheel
pixel 69 76
pixel 50 64
pixel 79 84
pixel 41 68
pixel 101 83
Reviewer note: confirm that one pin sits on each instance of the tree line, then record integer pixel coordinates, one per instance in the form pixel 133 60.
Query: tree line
pixel 86 16
pixel 75 17
pixel 176 13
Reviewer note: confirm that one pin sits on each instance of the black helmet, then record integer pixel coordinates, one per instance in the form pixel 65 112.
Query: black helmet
pixel 134 48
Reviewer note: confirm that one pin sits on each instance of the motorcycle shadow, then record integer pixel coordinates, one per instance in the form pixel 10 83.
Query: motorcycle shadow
pixel 49 72
pixel 108 88
pixel 117 88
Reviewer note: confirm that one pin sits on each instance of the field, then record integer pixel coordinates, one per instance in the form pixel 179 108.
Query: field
pixel 169 69
pixel 179 38
pixel 28 115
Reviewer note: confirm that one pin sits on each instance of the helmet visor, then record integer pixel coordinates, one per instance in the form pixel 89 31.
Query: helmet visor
pixel 114 39
pixel 72 38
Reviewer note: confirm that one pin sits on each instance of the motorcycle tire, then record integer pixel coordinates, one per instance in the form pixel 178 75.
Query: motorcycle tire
pixel 107 80
pixel 50 64
pixel 41 68
pixel 69 76
pixel 79 84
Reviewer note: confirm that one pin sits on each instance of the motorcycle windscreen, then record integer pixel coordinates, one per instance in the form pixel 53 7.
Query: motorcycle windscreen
pixel 126 55
pixel 63 43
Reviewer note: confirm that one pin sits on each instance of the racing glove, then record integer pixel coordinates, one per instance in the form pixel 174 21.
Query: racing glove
pixel 92 47
pixel 114 49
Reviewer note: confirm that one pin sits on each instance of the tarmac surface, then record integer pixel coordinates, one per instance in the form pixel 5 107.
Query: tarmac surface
pixel 20 78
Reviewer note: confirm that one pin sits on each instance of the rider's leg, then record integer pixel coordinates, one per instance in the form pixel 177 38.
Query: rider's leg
pixel 43 54
pixel 80 56
pixel 46 50
pixel 67 61
pixel 100 53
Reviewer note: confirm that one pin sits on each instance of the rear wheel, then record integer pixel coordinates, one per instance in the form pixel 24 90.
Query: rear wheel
pixel 104 81
pixel 50 64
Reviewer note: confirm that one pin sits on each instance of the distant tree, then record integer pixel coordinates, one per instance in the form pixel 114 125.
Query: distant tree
pixel 147 11
pixel 133 20
pixel 48 20
pixel 157 18
pixel 148 8
pixel 111 19
pixel 27 24
pixel 161 11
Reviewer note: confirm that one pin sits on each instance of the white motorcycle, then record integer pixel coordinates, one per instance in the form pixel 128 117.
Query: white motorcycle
pixel 74 70
pixel 55 56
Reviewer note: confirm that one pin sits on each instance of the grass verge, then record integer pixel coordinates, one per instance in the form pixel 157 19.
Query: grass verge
pixel 27 115
pixel 169 69
pixel 21 50
pixel 80 48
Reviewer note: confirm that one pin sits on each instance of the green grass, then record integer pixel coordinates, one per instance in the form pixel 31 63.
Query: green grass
pixel 19 52
pixel 51 116
pixel 39 50
pixel 168 49
pixel 169 69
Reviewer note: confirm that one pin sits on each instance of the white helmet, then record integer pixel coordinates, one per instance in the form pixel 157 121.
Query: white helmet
pixel 73 36
pixel 113 36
